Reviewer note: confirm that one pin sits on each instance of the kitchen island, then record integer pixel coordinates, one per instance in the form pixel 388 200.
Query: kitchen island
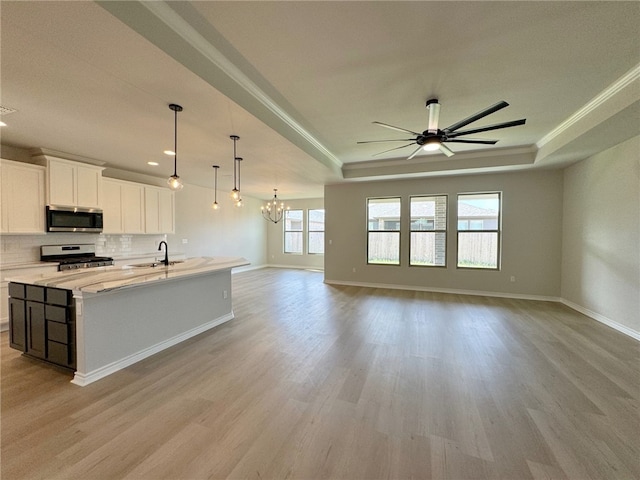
pixel 125 314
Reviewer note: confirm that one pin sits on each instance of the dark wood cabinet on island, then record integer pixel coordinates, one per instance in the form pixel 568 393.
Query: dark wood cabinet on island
pixel 42 323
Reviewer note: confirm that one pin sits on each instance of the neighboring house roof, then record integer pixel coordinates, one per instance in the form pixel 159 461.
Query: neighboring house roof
pixel 466 210
pixel 427 209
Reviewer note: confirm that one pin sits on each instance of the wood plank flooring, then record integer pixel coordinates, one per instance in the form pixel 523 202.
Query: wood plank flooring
pixel 312 381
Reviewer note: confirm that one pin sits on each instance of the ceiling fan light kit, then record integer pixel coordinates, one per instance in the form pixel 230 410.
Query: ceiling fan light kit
pixel 433 138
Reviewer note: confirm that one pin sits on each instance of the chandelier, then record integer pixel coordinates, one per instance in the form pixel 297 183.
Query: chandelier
pixel 273 211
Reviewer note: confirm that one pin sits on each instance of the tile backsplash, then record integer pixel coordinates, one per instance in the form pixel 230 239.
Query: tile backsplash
pixel 26 248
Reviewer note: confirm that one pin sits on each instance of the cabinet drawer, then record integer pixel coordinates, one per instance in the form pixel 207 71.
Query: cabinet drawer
pixel 35 293
pixel 58 332
pixel 60 354
pixel 58 296
pixel 17 290
pixel 57 314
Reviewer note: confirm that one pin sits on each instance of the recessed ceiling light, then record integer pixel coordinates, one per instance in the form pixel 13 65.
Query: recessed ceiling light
pixel 170 152
pixel 154 164
pixel 2 124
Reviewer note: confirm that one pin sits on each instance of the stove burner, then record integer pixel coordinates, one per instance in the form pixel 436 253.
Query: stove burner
pixel 84 262
pixel 71 257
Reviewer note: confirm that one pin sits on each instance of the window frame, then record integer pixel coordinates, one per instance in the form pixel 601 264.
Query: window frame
pixel 434 231
pixel 285 231
pixel 497 231
pixel 398 231
pixel 309 231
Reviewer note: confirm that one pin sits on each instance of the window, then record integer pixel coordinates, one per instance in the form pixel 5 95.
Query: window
pixel 479 230
pixel 383 241
pixel 293 231
pixel 428 231
pixel 315 231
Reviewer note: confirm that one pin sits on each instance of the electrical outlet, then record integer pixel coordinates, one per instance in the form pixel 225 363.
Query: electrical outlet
pixel 185 241
pixel 354 270
pixel 513 278
pixel 225 294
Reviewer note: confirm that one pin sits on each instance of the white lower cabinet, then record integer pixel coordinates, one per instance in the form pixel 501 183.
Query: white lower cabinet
pixel 23 197
pixel 136 208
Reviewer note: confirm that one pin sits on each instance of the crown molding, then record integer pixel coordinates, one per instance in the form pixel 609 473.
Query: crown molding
pixel 190 35
pixel 606 95
pixel 48 152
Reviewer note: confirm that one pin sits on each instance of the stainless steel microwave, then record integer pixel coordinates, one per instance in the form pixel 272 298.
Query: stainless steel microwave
pixel 74 219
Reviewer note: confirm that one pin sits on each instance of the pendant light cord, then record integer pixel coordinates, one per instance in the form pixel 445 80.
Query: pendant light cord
pixel 175 142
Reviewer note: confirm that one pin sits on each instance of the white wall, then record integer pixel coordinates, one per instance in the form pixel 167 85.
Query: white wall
pixel 531 235
pixel 229 231
pixel 275 239
pixel 601 236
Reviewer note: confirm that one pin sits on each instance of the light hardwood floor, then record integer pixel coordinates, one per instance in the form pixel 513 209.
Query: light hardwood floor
pixel 314 381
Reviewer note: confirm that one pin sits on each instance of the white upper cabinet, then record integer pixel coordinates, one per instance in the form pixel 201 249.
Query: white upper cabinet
pixel 89 186
pixel 123 210
pixel 22 197
pixel 131 207
pixel 112 211
pixel 73 184
pixel 159 210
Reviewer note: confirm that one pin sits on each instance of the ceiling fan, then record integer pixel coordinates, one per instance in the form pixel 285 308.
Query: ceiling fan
pixel 434 139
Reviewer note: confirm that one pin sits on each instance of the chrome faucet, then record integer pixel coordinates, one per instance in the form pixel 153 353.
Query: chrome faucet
pixel 166 252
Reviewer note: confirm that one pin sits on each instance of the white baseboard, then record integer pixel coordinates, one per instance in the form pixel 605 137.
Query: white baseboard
pixel 247 268
pixel 4 326
pixel 296 267
pixel 602 319
pixel 83 379
pixel 518 296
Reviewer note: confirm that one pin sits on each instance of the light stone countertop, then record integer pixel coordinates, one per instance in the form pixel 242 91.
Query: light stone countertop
pixel 106 279
pixel 22 265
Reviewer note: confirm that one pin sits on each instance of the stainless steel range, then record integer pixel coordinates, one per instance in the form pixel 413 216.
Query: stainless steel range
pixel 73 257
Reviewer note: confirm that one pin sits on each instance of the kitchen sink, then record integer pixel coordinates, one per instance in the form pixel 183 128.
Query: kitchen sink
pixel 153 264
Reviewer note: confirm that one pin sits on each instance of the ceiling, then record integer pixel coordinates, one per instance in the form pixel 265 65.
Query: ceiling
pixel 302 82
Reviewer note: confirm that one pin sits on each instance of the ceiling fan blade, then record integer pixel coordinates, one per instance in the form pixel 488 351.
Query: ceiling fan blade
pixel 482 113
pixel 434 114
pixel 471 140
pixel 415 152
pixel 394 140
pixel 386 125
pixel 392 149
pixel 446 151
pixel 496 126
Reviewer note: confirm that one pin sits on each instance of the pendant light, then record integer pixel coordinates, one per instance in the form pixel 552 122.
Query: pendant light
pixel 272 211
pixel 215 205
pixel 174 180
pixel 239 203
pixel 235 193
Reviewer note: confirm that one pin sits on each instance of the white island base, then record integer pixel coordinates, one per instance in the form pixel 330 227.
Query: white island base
pixel 117 328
